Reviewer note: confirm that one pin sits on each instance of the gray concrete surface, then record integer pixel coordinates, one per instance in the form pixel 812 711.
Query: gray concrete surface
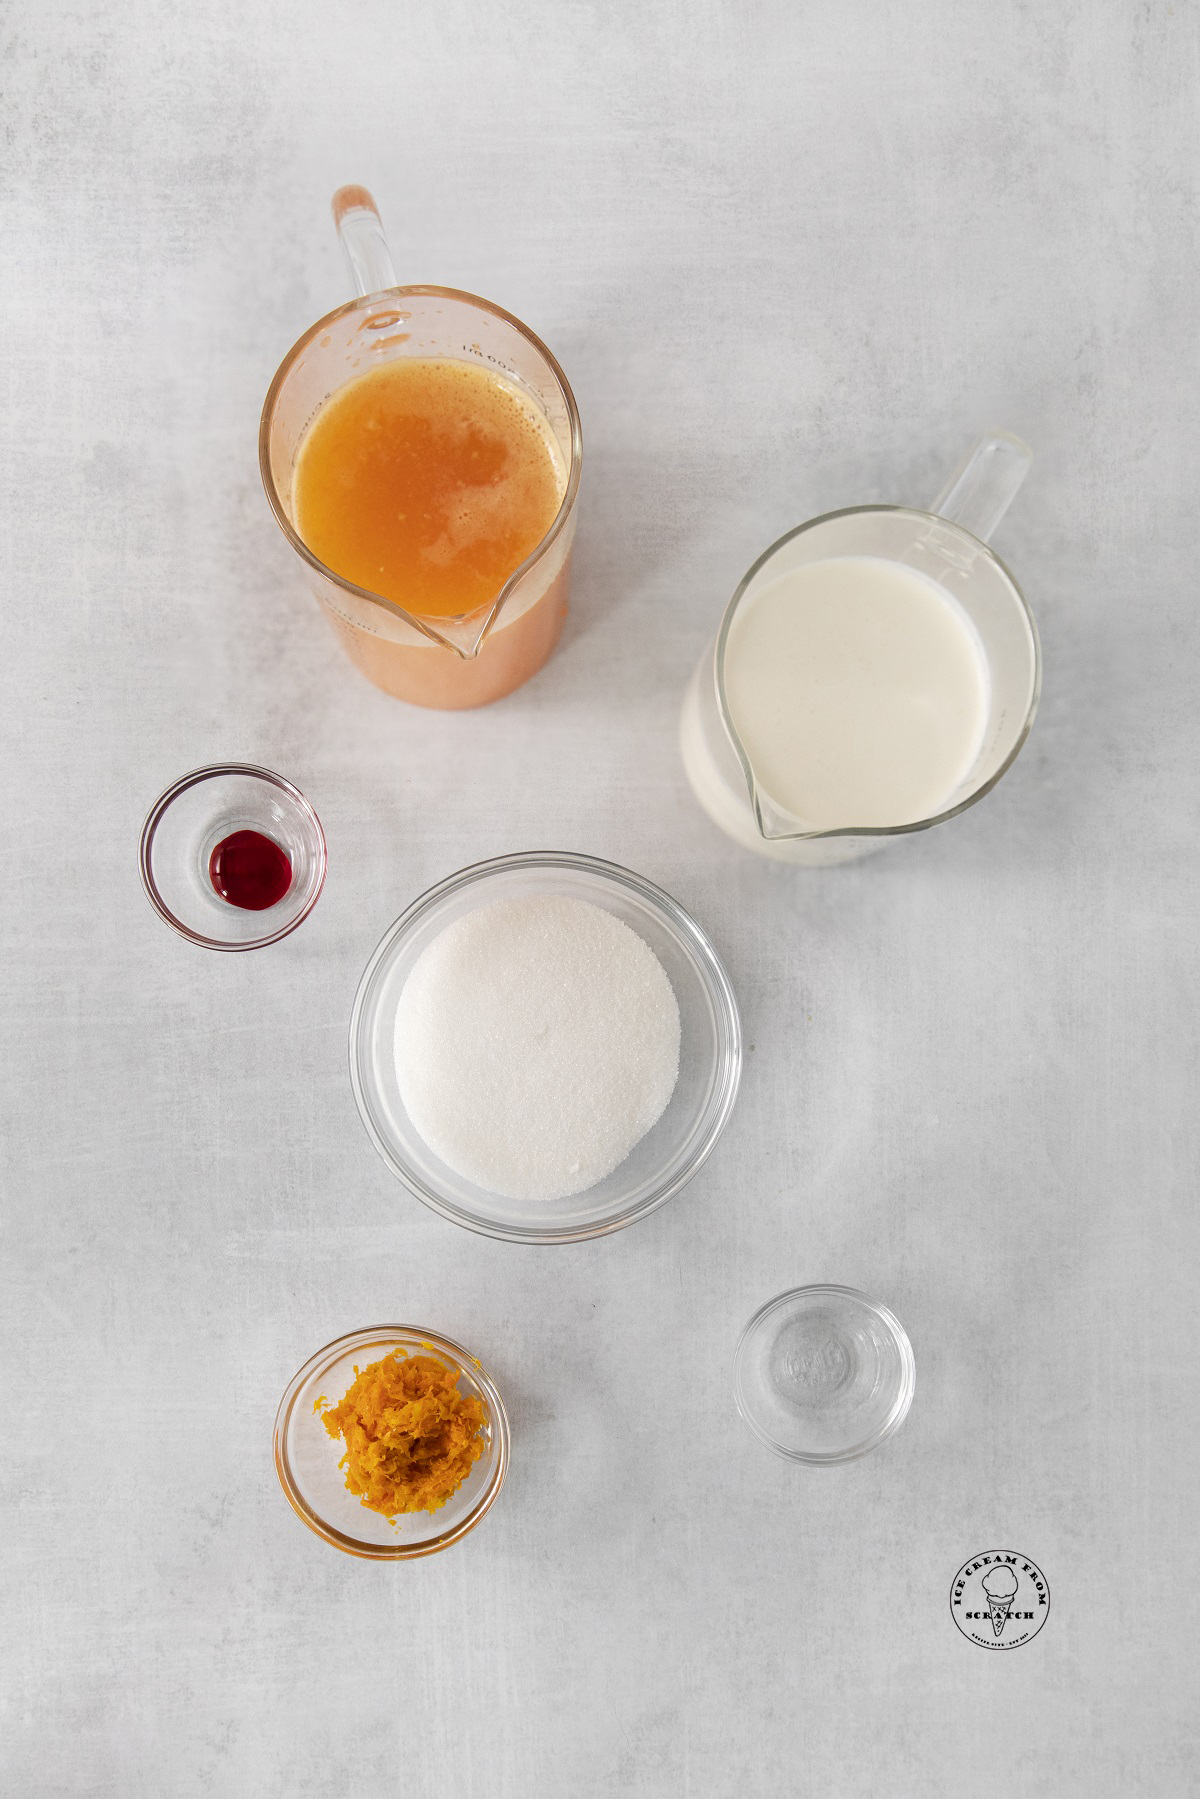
pixel 793 257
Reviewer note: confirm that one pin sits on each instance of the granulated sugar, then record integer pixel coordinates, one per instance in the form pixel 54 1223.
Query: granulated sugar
pixel 537 1040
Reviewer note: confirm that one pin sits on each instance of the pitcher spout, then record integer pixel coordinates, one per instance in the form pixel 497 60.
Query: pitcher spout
pixel 465 636
pixel 774 822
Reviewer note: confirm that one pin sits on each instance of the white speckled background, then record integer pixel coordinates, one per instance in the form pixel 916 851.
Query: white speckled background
pixel 792 257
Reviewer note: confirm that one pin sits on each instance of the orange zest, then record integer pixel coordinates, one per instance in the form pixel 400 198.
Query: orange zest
pixel 411 1437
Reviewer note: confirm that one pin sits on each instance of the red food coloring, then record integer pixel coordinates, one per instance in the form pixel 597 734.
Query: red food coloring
pixel 250 871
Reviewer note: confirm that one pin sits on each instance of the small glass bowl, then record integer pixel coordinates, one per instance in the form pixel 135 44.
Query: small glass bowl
pixel 824 1374
pixel 307 1457
pixel 184 827
pixel 710 1051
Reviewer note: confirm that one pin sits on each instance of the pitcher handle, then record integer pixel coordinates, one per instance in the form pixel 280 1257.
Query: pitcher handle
pixel 981 491
pixel 360 230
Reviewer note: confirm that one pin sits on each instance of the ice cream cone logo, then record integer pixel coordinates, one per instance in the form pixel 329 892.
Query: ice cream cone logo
pixel 1000 1599
pixel 1000 1586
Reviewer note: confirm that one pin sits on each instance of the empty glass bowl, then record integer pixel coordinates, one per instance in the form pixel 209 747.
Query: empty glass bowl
pixel 307 1457
pixel 189 820
pixel 824 1374
pixel 710 1053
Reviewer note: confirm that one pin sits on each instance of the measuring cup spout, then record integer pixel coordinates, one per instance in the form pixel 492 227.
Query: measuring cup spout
pixel 981 490
pixel 466 635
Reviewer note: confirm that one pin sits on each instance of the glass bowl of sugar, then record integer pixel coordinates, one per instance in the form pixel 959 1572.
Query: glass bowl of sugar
pixel 545 1048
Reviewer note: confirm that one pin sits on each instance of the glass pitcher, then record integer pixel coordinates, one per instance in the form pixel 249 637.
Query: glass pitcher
pixel 443 662
pixel 947 544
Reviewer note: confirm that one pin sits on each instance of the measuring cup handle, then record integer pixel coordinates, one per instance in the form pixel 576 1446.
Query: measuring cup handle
pixel 360 230
pixel 979 493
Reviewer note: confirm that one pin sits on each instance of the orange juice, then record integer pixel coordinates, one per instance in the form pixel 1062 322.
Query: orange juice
pixel 428 481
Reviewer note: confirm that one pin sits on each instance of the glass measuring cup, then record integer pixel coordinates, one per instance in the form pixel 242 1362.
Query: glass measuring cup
pixel 947 544
pixel 442 662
